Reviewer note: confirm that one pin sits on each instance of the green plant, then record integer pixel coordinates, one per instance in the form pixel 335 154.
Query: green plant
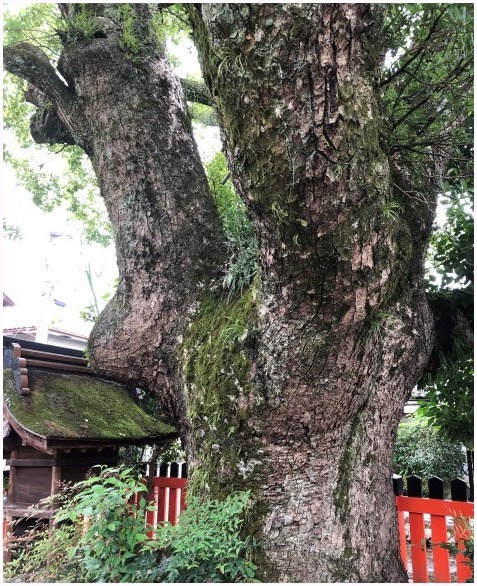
pixel 449 402
pixel 420 451
pixel 99 534
pixel 11 232
pixel 228 61
pixel 381 321
pixel 240 239
pixel 206 546
pixel 391 210
pixel 468 546
pixel 130 41
pixel 82 25
pixel 174 452
pixel 203 114
pixel 41 555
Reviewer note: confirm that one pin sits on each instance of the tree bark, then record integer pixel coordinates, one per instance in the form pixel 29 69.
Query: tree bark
pixel 343 325
pixel 293 390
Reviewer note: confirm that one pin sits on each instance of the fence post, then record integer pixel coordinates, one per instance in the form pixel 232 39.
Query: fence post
pixel 460 492
pixel 417 534
pixel 398 489
pixel 439 534
pixel 470 470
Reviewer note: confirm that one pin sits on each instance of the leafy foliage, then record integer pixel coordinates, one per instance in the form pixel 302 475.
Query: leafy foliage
pixel 100 536
pixel 428 94
pixel 427 88
pixel 54 177
pixel 452 247
pixel 80 26
pixel 468 549
pixel 449 402
pixel 419 450
pixel 11 232
pixel 203 114
pixel 240 241
pixel 206 545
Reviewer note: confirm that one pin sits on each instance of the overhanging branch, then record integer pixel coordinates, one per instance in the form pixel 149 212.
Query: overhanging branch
pixel 47 128
pixel 31 64
pixel 54 121
pixel 453 318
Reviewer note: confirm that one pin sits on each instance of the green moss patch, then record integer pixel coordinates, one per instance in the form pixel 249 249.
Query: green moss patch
pixel 73 406
pixel 218 355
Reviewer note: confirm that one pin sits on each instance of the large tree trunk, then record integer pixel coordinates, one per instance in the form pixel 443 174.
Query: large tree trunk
pixel 343 327
pixel 294 390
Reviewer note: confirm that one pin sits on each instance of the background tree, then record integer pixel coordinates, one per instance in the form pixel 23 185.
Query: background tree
pixel 293 387
pixel 448 405
pixel 421 451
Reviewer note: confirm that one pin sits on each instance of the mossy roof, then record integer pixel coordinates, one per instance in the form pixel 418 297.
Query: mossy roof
pixel 80 408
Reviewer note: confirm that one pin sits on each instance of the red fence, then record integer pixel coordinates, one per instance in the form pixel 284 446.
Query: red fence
pixel 443 517
pixel 168 496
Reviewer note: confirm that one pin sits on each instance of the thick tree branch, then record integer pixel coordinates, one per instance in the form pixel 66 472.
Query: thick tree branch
pixel 453 318
pixel 47 128
pixel 31 64
pixel 55 122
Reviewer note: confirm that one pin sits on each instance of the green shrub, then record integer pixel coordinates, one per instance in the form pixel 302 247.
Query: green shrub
pixel 206 546
pixel 112 545
pixel 468 546
pixel 420 451
pixel 98 536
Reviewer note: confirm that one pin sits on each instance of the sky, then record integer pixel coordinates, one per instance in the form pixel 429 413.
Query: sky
pixel 50 260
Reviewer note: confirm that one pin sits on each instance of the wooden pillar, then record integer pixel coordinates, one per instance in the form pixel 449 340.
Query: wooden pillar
pixel 55 481
pixel 7 523
pixel 55 487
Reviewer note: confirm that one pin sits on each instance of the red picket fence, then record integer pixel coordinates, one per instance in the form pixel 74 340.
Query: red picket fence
pixel 428 549
pixel 168 496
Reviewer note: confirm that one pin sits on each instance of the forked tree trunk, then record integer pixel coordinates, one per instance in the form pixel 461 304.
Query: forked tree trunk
pixel 295 389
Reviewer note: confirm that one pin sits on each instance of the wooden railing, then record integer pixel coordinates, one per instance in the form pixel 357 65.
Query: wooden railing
pixel 168 497
pixel 432 547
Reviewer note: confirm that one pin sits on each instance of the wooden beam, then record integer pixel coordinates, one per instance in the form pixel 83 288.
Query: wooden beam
pixel 40 355
pixel 24 510
pixel 87 460
pixel 30 462
pixel 58 366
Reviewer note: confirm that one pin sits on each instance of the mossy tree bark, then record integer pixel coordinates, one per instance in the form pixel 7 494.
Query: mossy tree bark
pixel 343 326
pixel 294 390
